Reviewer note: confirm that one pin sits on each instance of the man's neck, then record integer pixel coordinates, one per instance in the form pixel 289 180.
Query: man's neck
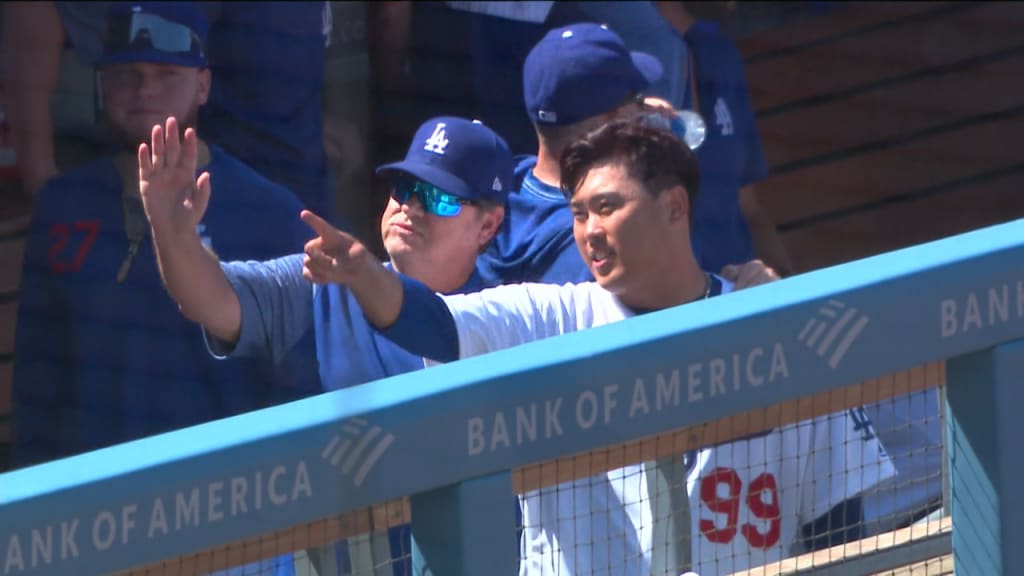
pixel 440 281
pixel 682 283
pixel 127 163
pixel 547 169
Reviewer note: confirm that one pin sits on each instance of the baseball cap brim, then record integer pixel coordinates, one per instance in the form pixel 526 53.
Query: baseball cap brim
pixel 152 57
pixel 432 175
pixel 648 66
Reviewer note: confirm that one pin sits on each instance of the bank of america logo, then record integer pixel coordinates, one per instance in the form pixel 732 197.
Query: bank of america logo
pixel 357 449
pixel 833 331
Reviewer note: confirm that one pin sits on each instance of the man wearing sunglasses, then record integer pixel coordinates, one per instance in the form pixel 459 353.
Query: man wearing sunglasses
pixel 446 202
pixel 102 354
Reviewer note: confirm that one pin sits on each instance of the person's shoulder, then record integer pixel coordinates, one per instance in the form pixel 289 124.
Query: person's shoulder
pixel 257 188
pixel 524 163
pixel 708 37
pixel 79 184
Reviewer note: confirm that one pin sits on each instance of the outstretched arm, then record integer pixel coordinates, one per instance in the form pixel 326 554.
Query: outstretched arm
pixel 406 311
pixel 175 202
pixel 335 257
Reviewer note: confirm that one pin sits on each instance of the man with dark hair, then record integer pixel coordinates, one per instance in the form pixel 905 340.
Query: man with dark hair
pixel 575 79
pixel 627 189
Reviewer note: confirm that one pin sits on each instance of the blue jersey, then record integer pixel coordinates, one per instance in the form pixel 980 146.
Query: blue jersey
pixel 100 361
pixel 730 157
pixel 535 242
pixel 268 64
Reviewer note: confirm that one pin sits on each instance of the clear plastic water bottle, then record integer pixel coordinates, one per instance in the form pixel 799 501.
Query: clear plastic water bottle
pixel 686 124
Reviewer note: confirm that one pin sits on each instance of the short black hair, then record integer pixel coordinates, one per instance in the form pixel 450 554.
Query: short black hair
pixel 654 156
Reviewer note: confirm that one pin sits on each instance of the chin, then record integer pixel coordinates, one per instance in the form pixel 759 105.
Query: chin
pixel 610 282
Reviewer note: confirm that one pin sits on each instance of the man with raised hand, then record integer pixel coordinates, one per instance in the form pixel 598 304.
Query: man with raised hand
pixel 630 188
pixel 447 200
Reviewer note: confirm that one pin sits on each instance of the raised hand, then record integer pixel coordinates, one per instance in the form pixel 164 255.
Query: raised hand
pixel 333 257
pixel 174 199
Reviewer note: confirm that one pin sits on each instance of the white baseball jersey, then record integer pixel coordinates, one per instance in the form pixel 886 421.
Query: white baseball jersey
pixel 749 498
pixel 603 525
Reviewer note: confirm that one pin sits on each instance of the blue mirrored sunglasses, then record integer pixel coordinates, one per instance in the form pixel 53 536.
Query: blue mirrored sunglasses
pixel 433 199
pixel 140 30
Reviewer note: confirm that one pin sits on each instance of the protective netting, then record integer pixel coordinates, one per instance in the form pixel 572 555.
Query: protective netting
pixel 851 478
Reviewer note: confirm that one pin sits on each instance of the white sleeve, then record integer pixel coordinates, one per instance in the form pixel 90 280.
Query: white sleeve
pixel 846 459
pixel 510 315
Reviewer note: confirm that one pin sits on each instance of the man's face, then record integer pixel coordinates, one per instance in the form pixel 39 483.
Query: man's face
pixel 417 240
pixel 138 95
pixel 620 230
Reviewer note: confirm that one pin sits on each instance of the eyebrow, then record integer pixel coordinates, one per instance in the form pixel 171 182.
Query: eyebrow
pixel 595 197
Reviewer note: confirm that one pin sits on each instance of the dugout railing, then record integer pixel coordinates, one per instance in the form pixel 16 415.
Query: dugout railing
pixel 422 446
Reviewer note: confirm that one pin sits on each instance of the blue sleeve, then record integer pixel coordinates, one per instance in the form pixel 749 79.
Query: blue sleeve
pixel 277 307
pixel 424 325
pixel 43 367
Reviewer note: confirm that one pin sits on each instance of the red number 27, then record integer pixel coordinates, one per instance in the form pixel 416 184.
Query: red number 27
pixel 761 486
pixel 80 234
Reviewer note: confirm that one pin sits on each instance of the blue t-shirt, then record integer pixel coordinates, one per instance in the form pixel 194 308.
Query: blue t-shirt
pixel 730 157
pixel 98 361
pixel 265 107
pixel 535 242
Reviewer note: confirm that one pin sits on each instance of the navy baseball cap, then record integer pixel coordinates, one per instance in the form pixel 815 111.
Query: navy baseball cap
pixel 462 157
pixel 582 70
pixel 155 32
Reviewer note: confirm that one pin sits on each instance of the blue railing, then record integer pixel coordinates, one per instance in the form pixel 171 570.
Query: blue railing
pixel 432 434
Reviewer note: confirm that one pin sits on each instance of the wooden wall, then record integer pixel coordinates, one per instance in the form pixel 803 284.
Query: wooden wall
pixel 890 124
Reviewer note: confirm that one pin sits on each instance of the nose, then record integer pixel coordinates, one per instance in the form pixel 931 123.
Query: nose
pixel 412 205
pixel 146 85
pixel 593 228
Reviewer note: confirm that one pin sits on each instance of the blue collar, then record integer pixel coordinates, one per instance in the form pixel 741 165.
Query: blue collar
pixel 535 187
pixel 714 289
pixel 474 283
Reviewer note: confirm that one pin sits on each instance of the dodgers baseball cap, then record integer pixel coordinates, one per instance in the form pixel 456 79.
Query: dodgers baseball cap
pixel 582 70
pixel 155 32
pixel 462 157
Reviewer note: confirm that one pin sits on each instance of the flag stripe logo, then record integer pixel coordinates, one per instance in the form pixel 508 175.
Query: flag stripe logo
pixel 833 321
pixel 348 448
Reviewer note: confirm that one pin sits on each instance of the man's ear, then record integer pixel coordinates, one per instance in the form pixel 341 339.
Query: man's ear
pixel 205 79
pixel 677 203
pixel 490 222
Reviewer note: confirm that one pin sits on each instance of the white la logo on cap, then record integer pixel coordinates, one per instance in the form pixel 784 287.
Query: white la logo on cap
pixel 438 141
pixel 497 184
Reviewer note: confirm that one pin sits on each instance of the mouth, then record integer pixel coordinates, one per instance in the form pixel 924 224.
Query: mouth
pixel 403 228
pixel 601 260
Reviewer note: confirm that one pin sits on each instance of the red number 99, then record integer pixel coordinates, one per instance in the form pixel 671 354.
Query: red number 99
pixel 729 505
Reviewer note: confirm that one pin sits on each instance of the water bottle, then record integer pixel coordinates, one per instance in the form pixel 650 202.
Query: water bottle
pixel 686 124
